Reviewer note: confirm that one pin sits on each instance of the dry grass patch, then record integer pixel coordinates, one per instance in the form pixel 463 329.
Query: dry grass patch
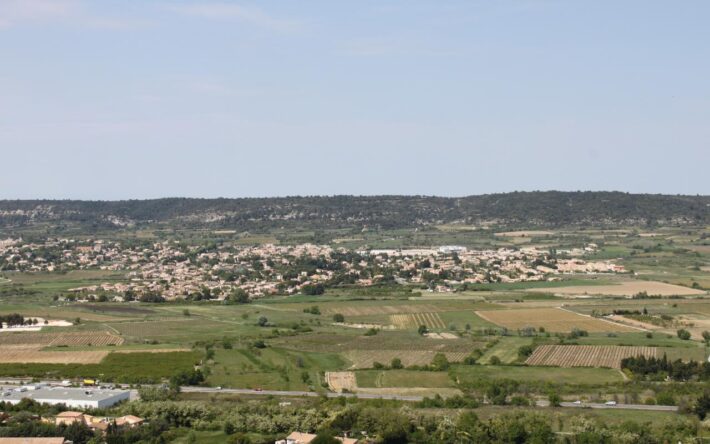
pixel 551 319
pixel 340 381
pixel 633 322
pixel 696 324
pixel 587 355
pixel 625 288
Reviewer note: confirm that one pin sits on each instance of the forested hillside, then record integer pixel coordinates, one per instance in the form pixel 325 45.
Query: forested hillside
pixel 550 208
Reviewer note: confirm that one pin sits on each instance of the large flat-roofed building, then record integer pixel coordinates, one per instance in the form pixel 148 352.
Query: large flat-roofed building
pixel 71 397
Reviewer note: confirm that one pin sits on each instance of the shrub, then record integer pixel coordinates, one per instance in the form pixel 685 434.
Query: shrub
pixel 554 399
pixel 372 332
pixel 525 351
pixel 440 363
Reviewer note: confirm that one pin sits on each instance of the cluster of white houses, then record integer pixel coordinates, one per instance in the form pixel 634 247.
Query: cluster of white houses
pixel 174 270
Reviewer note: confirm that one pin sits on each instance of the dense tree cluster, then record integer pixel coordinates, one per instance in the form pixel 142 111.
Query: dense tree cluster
pixel 391 424
pixel 16 319
pixel 661 368
pixel 434 420
pixel 539 208
pixel 192 377
pixel 25 425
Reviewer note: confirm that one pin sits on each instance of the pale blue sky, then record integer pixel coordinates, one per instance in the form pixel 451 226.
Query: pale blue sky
pixel 139 99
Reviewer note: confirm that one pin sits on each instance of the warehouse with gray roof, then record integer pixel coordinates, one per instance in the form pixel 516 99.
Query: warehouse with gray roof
pixel 71 397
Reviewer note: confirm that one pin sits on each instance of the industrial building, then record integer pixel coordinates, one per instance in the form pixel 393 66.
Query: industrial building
pixel 71 397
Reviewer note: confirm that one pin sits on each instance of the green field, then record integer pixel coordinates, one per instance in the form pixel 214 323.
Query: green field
pixel 402 378
pixel 573 376
pixel 116 367
pixel 506 350
pixel 272 368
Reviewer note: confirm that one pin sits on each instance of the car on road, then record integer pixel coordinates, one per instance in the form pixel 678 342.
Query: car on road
pixel 610 403
pixel 577 402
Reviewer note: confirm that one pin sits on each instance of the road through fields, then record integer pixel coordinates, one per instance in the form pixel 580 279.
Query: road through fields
pixel 192 389
pixel 10 383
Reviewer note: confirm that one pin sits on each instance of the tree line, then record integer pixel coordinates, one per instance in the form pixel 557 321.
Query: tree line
pixel 551 208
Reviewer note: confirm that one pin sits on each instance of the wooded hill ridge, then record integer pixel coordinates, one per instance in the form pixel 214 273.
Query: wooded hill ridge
pixel 539 208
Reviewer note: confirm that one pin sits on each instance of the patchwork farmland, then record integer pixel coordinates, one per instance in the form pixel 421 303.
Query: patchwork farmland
pixel 27 347
pixel 414 320
pixel 551 319
pixel 587 355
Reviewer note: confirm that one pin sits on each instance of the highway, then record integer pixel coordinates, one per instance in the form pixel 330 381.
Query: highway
pixel 591 405
pixel 9 383
pixel 596 405
pixel 192 389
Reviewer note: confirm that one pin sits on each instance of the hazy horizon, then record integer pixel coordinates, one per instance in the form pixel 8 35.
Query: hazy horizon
pixel 104 100
pixel 355 195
